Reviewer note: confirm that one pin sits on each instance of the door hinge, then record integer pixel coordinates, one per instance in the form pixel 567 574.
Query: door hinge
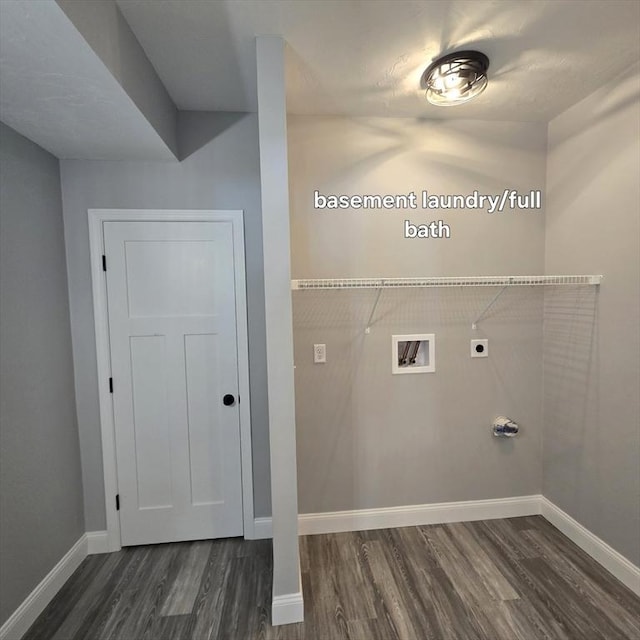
pixel 110 385
pixel 104 262
pixel 117 502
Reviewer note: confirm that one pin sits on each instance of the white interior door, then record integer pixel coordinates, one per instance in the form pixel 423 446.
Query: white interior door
pixel 172 328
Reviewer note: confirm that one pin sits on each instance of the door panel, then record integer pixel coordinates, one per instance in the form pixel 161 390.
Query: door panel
pixel 172 325
pixel 170 278
pixel 201 354
pixel 151 421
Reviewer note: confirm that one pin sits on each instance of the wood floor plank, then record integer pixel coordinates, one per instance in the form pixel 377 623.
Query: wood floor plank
pixel 577 616
pixel 589 567
pixel 111 595
pixel 530 624
pixel 173 627
pixel 289 632
pixel 364 629
pixel 184 589
pixel 509 539
pixel 384 623
pixel 541 610
pixel 208 603
pixel 353 589
pixel 523 523
pixel 66 599
pixel 155 619
pixel 150 591
pixel 510 567
pixel 325 608
pixel 496 583
pixel 89 600
pixel 241 608
pixel 118 604
pixel 459 569
pixel 513 624
pixel 625 620
pixel 418 547
pixel 119 614
pixel 399 556
pixel 451 621
pixel 388 593
pixel 438 582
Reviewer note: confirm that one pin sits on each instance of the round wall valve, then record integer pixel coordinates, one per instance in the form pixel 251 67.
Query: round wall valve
pixel 504 427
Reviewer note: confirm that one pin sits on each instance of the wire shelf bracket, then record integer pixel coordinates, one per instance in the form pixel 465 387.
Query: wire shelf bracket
pixel 474 324
pixel 375 306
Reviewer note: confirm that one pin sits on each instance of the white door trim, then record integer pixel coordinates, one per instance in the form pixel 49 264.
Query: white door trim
pixel 97 218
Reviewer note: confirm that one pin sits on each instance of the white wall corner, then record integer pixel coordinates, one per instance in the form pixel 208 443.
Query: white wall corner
pixel 98 542
pixel 262 529
pixel 34 604
pixel 598 549
pixel 274 180
pixel 287 609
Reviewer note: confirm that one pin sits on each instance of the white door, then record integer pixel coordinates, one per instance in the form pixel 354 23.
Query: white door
pixel 172 328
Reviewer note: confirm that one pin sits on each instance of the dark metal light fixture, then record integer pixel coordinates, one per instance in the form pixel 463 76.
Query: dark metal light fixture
pixel 456 78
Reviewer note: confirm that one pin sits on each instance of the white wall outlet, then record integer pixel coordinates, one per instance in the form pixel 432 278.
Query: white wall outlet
pixel 319 353
pixel 480 348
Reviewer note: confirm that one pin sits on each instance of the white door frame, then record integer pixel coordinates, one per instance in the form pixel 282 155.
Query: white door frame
pixel 97 218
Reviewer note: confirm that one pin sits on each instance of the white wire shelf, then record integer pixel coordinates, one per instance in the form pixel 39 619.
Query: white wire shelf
pixel 470 281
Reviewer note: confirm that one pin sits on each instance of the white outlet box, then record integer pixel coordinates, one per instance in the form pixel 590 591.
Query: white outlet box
pixel 319 353
pixel 480 348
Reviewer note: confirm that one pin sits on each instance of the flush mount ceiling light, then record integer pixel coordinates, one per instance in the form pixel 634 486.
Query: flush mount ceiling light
pixel 456 78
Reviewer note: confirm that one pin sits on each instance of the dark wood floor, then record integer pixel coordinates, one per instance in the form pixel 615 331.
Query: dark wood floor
pixel 516 579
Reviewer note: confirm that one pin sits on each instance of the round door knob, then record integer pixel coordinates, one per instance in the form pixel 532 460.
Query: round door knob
pixel 228 400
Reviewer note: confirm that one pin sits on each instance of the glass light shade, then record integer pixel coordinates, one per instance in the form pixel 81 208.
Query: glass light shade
pixel 456 78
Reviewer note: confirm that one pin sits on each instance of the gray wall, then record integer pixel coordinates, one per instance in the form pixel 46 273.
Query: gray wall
pixel 107 32
pixel 367 438
pixel 220 171
pixel 592 342
pixel 40 479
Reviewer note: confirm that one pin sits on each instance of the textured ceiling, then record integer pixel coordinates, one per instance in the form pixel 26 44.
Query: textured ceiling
pixel 365 57
pixel 57 92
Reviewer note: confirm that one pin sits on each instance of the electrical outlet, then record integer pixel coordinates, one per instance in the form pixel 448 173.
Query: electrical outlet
pixel 319 353
pixel 480 348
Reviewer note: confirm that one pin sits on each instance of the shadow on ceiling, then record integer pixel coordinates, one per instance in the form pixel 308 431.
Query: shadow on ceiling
pixel 198 128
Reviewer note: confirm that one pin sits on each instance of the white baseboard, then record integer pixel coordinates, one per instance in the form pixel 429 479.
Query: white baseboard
pixel 598 549
pixel 262 529
pixel 25 615
pixel 97 542
pixel 287 609
pixel 414 515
